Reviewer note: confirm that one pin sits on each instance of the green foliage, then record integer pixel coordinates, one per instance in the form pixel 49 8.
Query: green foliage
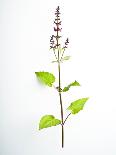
pixel 48 121
pixel 77 105
pixel 62 59
pixel 46 77
pixel 66 58
pixel 54 61
pixel 75 83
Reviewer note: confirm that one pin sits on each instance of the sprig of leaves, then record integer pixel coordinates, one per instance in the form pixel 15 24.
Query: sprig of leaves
pixel 48 79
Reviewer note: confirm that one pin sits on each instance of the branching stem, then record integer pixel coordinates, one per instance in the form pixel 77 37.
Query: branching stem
pixel 66 118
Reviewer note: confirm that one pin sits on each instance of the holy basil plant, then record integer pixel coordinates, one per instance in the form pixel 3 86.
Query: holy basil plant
pixel 48 79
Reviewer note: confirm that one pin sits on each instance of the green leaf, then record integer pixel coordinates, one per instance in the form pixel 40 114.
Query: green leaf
pixel 77 105
pixel 46 77
pixel 54 61
pixel 75 83
pixel 48 121
pixel 66 58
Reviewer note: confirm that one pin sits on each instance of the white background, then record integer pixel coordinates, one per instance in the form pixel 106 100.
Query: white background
pixel 25 29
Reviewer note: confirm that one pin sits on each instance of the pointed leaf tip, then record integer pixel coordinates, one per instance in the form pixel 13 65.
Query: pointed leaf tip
pixel 77 105
pixel 75 83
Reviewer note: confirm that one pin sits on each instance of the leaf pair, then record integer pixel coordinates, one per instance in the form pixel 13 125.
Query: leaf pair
pixel 48 79
pixel 63 59
pixel 49 120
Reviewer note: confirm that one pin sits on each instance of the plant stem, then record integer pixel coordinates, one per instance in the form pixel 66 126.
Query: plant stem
pixel 60 96
pixel 55 55
pixel 66 118
pixel 62 55
pixel 61 106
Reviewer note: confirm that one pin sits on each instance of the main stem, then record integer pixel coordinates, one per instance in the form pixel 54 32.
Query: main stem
pixel 60 96
pixel 61 106
pixel 59 79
